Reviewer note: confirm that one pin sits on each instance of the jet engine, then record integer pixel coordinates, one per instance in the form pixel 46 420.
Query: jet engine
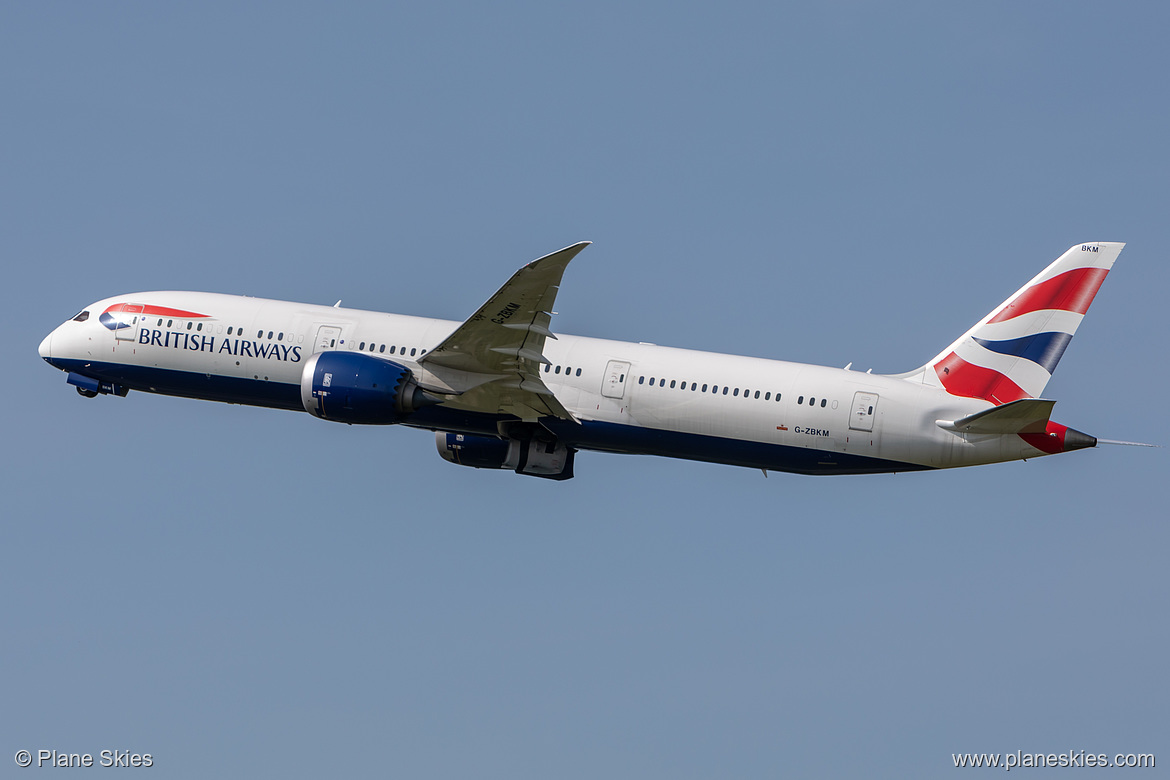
pixel 533 456
pixel 350 387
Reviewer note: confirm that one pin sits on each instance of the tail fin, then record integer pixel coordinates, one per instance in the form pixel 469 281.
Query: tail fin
pixel 1011 353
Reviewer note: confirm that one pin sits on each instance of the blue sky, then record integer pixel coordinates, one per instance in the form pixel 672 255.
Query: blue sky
pixel 257 593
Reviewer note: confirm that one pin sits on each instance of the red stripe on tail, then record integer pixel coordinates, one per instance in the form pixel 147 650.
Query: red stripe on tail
pixel 971 381
pixel 1070 291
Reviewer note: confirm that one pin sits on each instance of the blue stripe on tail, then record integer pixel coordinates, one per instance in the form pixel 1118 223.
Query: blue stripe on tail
pixel 1043 349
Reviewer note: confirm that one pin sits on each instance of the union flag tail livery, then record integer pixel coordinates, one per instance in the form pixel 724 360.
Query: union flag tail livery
pixel 1011 353
pixel 501 391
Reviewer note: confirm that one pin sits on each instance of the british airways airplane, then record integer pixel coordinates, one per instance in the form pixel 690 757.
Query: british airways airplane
pixel 502 391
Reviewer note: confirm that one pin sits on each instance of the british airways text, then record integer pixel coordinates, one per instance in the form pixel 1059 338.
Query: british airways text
pixel 197 342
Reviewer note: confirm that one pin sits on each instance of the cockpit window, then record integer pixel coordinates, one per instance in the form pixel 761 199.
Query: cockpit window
pixel 81 316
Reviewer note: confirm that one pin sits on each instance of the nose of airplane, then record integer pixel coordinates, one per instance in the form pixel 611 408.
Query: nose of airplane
pixel 46 347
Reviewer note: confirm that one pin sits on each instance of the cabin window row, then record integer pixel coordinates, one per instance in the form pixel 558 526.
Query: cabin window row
pixel 734 392
pixel 393 350
pixel 232 330
pixel 557 369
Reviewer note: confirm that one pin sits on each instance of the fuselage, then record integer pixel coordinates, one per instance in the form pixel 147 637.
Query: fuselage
pixel 626 397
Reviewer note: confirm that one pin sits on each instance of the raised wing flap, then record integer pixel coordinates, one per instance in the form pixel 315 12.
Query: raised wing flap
pixel 504 340
pixel 1028 415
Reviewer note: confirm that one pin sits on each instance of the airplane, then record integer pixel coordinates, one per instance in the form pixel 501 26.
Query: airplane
pixel 502 391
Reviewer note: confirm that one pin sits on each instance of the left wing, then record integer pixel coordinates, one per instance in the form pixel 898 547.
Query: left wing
pixel 493 359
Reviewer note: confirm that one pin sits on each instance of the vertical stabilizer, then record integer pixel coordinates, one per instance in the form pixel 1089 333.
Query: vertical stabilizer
pixel 1011 353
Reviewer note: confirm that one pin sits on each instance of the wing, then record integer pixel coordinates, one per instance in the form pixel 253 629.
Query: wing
pixel 493 359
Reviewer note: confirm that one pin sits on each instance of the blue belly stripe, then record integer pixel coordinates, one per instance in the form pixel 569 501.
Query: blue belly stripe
pixel 188 384
pixel 589 435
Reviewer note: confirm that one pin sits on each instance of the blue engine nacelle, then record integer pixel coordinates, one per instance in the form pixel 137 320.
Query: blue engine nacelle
pixel 350 387
pixel 549 459
pixel 480 452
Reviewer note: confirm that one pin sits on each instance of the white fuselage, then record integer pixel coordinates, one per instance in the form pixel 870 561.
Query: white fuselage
pixel 627 397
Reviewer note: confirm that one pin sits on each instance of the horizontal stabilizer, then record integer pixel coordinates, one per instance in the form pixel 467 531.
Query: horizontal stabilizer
pixel 1028 415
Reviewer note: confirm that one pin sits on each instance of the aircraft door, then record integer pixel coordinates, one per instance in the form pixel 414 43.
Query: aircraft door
pixel 130 316
pixel 327 338
pixel 613 385
pixel 864 409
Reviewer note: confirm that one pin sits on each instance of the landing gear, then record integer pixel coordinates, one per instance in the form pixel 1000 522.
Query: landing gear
pixel 81 391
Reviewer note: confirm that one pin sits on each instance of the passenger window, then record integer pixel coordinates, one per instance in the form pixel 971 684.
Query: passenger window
pixel 777 396
pixel 189 324
pixel 736 393
pixel 704 387
pixel 823 402
pixel 259 334
pixel 200 326
pixel 757 394
pixel 392 352
pixel 641 379
pixel 169 323
pixel 558 370
pixel 229 330
pixel 547 367
pixel 767 396
pixel 382 348
pixel 652 381
pixel 800 400
pixel 694 386
pixel 672 384
pixel 620 380
pixel 269 334
pixel 159 325
pixel 362 345
pixel 412 349
pixel 662 383
pixel 725 389
pixel 280 336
